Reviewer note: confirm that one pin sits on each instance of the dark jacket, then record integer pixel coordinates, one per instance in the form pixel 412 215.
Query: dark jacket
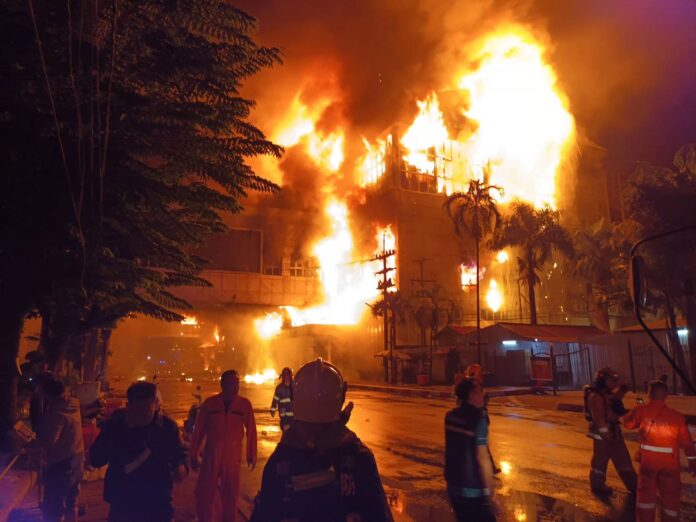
pixel 147 487
pixel 321 473
pixel 282 401
pixel 462 469
pixel 60 432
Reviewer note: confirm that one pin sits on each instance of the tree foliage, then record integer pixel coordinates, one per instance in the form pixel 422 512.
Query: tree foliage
pixel 125 137
pixel 536 232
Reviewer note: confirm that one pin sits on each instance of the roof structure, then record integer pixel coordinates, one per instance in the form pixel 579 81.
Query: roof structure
pixel 558 333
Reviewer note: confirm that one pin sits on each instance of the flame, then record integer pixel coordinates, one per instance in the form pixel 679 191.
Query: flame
pixel 502 257
pixel 468 275
pixel 189 320
pixel 347 285
pixel 427 131
pixel 216 335
pixel 372 165
pixel 299 126
pixel 494 298
pixel 269 326
pixel 268 375
pixel 524 126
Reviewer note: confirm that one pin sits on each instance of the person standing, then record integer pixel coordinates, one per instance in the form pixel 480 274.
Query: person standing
pixel 468 468
pixel 144 452
pixel 282 400
pixel 662 432
pixel 320 470
pixel 605 432
pixel 221 424
pixel 60 437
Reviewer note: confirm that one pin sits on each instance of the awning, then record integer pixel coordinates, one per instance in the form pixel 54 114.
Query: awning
pixel 556 333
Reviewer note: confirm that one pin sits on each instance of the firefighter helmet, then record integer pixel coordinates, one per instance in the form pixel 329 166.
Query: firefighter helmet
pixel 603 375
pixel 284 371
pixel 319 392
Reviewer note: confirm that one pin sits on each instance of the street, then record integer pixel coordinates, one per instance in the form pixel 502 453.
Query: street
pixel 544 454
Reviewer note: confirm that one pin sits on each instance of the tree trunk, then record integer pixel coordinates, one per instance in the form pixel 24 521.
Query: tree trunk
pixel 478 306
pixel 11 324
pixel 531 283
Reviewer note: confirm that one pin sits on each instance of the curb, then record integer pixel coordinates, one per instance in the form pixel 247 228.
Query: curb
pixel 578 408
pixel 432 394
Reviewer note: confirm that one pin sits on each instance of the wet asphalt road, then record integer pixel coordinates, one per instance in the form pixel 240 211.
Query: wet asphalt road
pixel 545 455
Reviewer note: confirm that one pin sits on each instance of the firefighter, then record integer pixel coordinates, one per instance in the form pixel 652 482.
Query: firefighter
pixel 605 432
pixel 282 399
pixel 220 426
pixel 662 431
pixel 320 470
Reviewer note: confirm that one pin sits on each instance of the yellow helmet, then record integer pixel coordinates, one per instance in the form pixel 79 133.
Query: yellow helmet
pixel 318 392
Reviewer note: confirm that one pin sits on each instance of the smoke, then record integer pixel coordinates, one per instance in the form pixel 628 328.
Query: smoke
pixel 625 65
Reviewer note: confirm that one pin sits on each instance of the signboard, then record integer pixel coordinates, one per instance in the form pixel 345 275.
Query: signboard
pixel 541 369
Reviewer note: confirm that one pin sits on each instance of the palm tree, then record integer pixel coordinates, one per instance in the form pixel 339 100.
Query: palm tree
pixel 475 214
pixel 537 232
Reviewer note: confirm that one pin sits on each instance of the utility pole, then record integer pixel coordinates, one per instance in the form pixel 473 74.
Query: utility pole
pixel 384 285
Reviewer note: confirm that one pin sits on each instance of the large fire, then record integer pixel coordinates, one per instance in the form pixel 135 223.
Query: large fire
pixel 347 282
pixel 523 128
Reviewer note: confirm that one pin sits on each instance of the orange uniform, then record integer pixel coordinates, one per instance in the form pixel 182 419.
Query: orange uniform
pixel 662 432
pixel 220 430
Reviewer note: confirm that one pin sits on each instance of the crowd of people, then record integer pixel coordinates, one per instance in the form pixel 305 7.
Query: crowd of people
pixel 320 470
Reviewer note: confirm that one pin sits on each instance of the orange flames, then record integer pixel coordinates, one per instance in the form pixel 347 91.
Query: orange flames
pixel 523 126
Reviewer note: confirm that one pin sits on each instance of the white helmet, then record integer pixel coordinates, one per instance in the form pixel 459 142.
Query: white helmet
pixel 318 392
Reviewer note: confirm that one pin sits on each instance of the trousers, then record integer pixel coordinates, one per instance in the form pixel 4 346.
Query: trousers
pixel 615 450
pixel 653 482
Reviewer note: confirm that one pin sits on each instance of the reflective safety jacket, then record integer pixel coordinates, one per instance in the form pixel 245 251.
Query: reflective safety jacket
pixel 282 401
pixel 466 428
pixel 662 431
pixel 321 473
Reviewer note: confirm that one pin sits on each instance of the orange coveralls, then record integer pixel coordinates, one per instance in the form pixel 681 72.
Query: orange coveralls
pixel 661 432
pixel 221 433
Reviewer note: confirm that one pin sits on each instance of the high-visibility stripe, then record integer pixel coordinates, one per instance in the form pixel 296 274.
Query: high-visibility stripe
pixel 598 472
pixel 594 436
pixel 691 458
pixel 276 398
pixel 283 401
pixel 670 512
pixel 286 414
pixel 645 505
pixel 656 449
pixel 604 430
pixel 469 492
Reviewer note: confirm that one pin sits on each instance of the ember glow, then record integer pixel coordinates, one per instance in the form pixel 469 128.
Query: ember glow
pixel 502 257
pixel 267 376
pixel 268 326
